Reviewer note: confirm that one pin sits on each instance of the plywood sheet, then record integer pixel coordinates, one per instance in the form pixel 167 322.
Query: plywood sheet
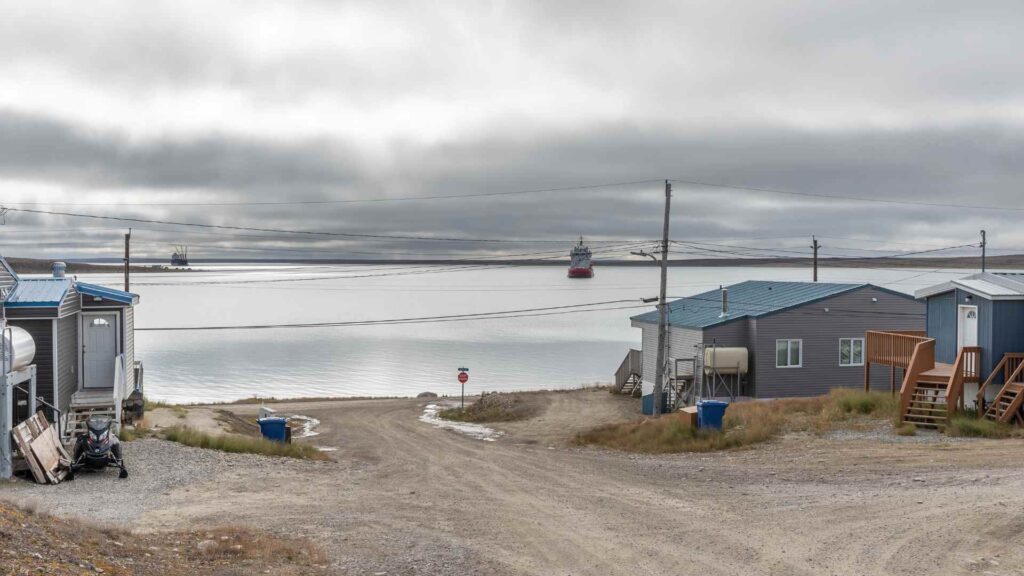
pixel 23 438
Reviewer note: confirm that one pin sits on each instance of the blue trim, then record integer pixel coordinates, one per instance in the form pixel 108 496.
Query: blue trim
pixel 113 294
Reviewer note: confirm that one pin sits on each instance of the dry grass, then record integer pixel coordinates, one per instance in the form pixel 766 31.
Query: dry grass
pixel 906 429
pixel 497 407
pixel 970 427
pixel 136 432
pixel 745 423
pixel 34 543
pixel 242 444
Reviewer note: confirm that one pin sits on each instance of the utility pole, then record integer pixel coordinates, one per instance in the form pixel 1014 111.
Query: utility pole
pixel 815 246
pixel 127 260
pixel 659 377
pixel 983 244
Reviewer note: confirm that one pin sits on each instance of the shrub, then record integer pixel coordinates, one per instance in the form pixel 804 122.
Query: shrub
pixel 241 444
pixel 906 429
pixel 495 408
pixel 968 427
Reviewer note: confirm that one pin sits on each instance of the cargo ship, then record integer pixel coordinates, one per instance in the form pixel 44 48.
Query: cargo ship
pixel 579 261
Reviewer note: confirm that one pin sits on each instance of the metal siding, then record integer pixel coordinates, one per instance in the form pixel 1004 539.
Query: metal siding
pixel 71 304
pixel 128 334
pixel 681 342
pixel 942 325
pixel 7 280
pixel 42 334
pixel 67 359
pixel 820 332
pixel 1007 334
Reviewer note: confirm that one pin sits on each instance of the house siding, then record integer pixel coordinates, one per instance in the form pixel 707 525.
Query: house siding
pixel 128 335
pixel 852 315
pixel 71 304
pixel 681 345
pixel 735 334
pixel 42 333
pixel 67 360
pixel 941 313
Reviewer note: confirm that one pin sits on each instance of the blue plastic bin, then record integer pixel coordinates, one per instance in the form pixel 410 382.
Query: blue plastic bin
pixel 274 428
pixel 710 413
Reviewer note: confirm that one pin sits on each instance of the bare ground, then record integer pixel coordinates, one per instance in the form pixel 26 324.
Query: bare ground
pixel 405 497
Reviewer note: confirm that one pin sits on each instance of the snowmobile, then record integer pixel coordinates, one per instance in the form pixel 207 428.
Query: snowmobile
pixel 98 448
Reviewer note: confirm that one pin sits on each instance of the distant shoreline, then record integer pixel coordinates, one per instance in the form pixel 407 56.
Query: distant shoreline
pixel 112 265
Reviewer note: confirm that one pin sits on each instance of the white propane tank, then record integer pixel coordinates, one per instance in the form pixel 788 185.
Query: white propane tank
pixel 18 348
pixel 726 360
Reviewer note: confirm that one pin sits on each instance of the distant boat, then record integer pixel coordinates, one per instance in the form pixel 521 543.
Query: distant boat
pixel 180 256
pixel 579 262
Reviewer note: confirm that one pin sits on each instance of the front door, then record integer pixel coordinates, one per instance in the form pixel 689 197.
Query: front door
pixel 99 348
pixel 967 326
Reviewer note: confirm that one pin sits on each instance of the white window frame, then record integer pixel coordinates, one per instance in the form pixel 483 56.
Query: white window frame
pixel 789 343
pixel 851 340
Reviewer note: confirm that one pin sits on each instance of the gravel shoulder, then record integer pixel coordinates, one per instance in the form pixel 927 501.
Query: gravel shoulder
pixel 405 497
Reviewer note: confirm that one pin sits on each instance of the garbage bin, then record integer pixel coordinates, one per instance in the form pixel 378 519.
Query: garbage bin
pixel 274 428
pixel 710 413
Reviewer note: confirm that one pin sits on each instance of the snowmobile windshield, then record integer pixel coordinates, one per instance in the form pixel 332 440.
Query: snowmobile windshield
pixel 98 426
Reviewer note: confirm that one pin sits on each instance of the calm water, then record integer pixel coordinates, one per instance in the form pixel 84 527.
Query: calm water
pixel 555 351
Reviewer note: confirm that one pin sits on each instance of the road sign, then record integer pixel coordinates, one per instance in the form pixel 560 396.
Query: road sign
pixel 463 377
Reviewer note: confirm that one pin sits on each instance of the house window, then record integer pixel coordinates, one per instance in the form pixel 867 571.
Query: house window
pixel 788 353
pixel 851 351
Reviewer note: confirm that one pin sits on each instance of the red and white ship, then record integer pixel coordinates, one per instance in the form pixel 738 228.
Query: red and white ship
pixel 579 261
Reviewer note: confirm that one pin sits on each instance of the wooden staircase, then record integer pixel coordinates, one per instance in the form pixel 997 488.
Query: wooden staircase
pixel 629 376
pixel 933 391
pixel 1006 406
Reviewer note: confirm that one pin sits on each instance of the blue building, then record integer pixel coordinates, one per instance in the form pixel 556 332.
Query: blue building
pixel 985 311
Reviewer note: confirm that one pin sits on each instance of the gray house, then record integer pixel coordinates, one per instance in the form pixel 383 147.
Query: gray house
pixel 84 340
pixel 799 338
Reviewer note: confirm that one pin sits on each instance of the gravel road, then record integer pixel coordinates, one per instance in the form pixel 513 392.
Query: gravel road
pixel 405 497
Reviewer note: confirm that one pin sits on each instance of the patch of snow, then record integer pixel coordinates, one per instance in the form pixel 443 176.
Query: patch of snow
pixel 431 415
pixel 308 424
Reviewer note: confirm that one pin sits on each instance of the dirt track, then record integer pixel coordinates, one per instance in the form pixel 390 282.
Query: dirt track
pixel 409 498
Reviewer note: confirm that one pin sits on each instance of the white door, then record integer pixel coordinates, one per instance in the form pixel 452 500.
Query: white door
pixel 99 348
pixel 967 326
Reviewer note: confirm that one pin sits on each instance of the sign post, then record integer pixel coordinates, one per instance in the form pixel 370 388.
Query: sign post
pixel 463 378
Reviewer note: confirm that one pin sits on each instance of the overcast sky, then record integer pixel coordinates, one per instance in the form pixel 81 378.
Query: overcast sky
pixel 130 105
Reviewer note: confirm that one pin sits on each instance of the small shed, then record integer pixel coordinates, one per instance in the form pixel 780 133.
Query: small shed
pixel 984 310
pixel 802 338
pixel 82 333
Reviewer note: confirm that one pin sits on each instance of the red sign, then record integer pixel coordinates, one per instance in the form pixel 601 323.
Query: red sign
pixel 463 377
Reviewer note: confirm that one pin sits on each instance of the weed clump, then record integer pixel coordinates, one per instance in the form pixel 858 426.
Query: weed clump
pixel 495 407
pixel 241 444
pixel 968 427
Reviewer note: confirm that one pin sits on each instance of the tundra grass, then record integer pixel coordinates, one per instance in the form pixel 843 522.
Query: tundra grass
pixel 970 427
pixel 496 407
pixel 241 444
pixel 745 423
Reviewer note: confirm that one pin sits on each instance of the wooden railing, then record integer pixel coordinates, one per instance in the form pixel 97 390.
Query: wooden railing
pixel 631 365
pixel 971 368
pixel 955 388
pixel 892 348
pixel 1008 367
pixel 921 360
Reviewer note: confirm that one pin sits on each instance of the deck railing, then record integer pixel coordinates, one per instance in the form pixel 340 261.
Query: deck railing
pixel 1008 368
pixel 895 348
pixel 631 365
pixel 921 360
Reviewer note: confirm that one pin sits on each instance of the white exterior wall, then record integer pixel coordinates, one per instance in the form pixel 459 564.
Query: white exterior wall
pixel 681 342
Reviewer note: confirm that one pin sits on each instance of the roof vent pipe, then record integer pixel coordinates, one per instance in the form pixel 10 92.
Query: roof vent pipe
pixel 725 303
pixel 58 269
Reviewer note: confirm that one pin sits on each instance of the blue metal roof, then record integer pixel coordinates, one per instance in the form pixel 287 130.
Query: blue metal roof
pixel 38 293
pixel 113 294
pixel 752 298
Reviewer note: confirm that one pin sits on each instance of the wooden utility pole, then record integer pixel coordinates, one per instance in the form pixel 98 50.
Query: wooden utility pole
pixel 659 376
pixel 127 260
pixel 815 246
pixel 983 244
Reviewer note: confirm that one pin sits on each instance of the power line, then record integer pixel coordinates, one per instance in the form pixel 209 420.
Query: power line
pixel 285 231
pixel 526 312
pixel 845 197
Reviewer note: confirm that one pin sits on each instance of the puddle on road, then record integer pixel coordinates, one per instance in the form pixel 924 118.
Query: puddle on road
pixel 430 416
pixel 308 425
